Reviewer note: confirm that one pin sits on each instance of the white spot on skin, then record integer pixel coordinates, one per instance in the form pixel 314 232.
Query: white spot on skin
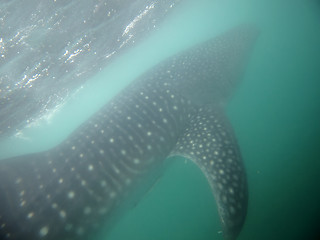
pixel 149 147
pixel 44 231
pixel 62 214
pixel 83 182
pixel 123 152
pixel 103 183
pixel 165 120
pixel 136 161
pixel 235 184
pixel 68 227
pixel 116 169
pixel 80 231
pixel 113 194
pixel 87 210
pixel 232 210
pixel 81 155
pixel 128 181
pixel 235 177
pixel 18 180
pixel 102 211
pixel 71 194
pixel 221 171
pixel 30 215
pixel 61 180
pixel 111 140
pixel 73 147
pixel 224 199
pixel 90 167
pixel 22 203
pixel 149 133
pixel 101 151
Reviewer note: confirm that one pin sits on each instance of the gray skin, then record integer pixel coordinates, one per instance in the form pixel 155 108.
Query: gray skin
pixel 173 109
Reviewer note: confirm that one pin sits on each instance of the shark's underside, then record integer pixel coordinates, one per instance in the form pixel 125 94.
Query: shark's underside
pixel 173 109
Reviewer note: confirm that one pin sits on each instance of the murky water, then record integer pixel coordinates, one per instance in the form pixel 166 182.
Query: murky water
pixel 275 113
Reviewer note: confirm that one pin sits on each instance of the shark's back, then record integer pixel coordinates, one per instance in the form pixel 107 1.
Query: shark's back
pixel 66 192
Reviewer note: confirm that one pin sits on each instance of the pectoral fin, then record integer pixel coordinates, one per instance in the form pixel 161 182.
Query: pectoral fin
pixel 209 142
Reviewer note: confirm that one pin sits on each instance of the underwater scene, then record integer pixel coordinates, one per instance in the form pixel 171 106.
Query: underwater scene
pixel 159 119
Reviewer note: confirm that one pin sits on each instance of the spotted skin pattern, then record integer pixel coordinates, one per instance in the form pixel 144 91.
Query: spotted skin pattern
pixel 209 142
pixel 68 191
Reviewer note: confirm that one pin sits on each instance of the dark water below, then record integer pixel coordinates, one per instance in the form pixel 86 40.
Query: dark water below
pixel 275 113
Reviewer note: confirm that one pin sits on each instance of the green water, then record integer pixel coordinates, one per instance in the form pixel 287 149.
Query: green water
pixel 275 114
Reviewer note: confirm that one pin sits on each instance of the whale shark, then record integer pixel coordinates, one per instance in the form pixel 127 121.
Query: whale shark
pixel 173 109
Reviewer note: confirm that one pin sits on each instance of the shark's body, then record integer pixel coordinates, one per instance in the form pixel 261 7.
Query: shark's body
pixel 66 192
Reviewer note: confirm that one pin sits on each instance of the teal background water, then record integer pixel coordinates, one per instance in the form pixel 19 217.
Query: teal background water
pixel 275 114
